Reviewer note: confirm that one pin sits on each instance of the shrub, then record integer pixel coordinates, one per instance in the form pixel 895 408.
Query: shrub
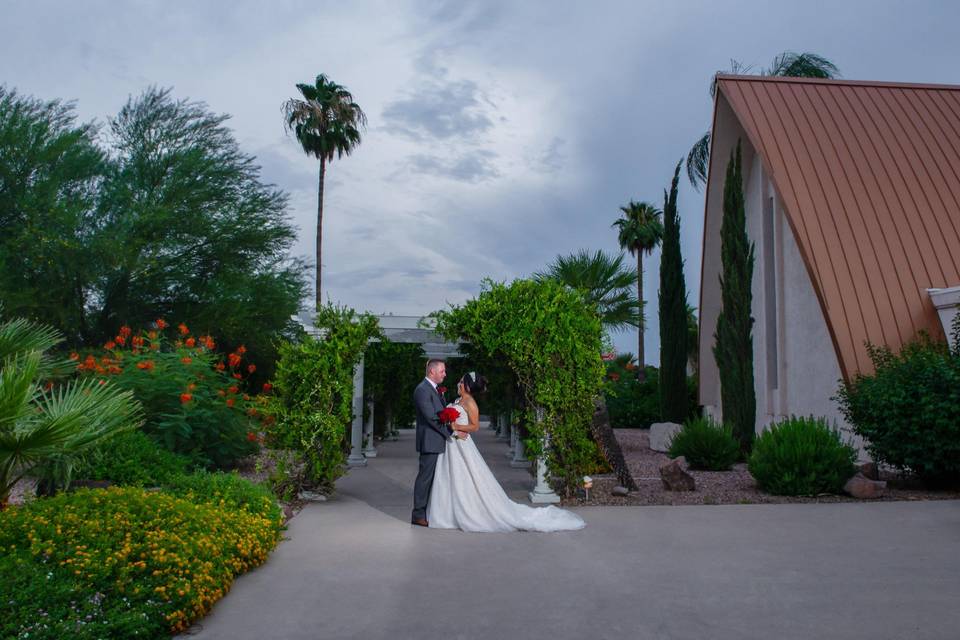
pixel 312 404
pixel 801 456
pixel 193 398
pixel 908 410
pixel 227 489
pixel 123 562
pixel 632 403
pixel 133 459
pixel 706 445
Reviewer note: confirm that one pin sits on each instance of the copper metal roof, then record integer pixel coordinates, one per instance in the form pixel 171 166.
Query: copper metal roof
pixel 869 175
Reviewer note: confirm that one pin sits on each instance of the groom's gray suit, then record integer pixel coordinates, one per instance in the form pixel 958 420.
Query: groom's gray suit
pixel 431 441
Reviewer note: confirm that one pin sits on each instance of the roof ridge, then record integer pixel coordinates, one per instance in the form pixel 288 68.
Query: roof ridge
pixel 837 81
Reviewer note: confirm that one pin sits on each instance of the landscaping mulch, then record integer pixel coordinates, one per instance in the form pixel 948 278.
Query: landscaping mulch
pixel 719 487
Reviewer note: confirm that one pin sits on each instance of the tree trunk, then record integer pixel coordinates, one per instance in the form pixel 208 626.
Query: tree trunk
pixel 606 440
pixel 323 170
pixel 642 371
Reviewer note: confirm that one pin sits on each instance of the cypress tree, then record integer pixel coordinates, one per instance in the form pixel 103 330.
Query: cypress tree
pixel 733 347
pixel 673 313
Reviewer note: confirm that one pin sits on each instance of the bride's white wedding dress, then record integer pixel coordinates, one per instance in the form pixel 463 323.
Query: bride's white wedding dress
pixel 466 495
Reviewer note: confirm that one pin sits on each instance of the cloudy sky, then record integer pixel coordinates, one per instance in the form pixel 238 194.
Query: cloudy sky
pixel 501 134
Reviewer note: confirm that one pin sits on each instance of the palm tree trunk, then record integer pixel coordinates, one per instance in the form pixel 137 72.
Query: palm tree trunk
pixel 323 171
pixel 642 375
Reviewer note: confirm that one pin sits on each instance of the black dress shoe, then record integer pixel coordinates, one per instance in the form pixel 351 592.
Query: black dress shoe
pixel 420 522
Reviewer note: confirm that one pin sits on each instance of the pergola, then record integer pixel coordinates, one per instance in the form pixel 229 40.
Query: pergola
pixel 419 330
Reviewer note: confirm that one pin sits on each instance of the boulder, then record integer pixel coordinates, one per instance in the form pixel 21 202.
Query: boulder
pixel 869 470
pixel 675 476
pixel 661 433
pixel 620 491
pixel 864 488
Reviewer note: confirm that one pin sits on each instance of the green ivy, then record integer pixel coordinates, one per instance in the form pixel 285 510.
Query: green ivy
pixel 551 340
pixel 312 404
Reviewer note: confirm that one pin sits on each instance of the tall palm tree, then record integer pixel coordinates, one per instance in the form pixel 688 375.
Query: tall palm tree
pixel 326 122
pixel 604 282
pixel 39 425
pixel 788 64
pixel 640 231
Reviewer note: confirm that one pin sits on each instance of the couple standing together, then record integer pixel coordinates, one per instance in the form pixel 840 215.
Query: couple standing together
pixel 454 488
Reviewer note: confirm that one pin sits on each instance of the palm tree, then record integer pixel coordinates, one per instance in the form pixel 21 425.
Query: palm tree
pixel 787 64
pixel 604 283
pixel 38 425
pixel 640 231
pixel 326 122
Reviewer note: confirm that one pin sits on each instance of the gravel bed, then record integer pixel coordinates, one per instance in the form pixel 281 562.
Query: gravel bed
pixel 717 487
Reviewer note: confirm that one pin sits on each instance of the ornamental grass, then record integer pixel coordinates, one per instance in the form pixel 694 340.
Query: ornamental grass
pixel 127 562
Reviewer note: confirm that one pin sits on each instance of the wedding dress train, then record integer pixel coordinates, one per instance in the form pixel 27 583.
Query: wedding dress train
pixel 466 495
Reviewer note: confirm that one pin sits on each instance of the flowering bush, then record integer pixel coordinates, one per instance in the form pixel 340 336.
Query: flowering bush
pixel 193 399
pixel 123 563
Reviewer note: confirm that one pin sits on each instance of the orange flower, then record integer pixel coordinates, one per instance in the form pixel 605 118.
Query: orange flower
pixel 137 341
pixel 183 329
pixel 220 366
pixel 251 368
pixel 162 324
pixel 185 398
pixel 114 369
pixel 103 381
pixel 252 412
pixel 74 355
pixel 110 345
pixel 238 376
pixel 246 397
pixel 241 349
pixel 267 387
pixel 209 343
pixel 152 335
pixel 155 346
pixel 121 340
pixel 233 389
pixel 234 360
pixel 191 387
pixel 190 342
pixel 146 365
pixel 125 331
pixel 229 402
pixel 221 392
pixel 186 360
pixel 251 436
pixel 48 386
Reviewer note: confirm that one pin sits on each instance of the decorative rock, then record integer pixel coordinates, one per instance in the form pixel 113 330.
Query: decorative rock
pixel 869 470
pixel 864 488
pixel 674 476
pixel 620 491
pixel 661 433
pixel 311 496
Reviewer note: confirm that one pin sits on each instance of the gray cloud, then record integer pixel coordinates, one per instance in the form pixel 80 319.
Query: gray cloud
pixel 475 166
pixel 439 111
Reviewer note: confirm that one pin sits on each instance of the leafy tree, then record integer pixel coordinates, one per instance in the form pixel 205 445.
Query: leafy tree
pixel 391 371
pixel 640 230
pixel 733 348
pixel 50 169
pixel 673 313
pixel 43 424
pixel 326 122
pixel 604 283
pixel 170 220
pixel 787 64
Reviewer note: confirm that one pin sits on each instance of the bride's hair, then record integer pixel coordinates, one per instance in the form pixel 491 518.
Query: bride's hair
pixel 474 385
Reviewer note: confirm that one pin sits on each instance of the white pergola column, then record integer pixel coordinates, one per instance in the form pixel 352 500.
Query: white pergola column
pixel 356 458
pixel 542 493
pixel 504 433
pixel 519 460
pixel 513 439
pixel 370 451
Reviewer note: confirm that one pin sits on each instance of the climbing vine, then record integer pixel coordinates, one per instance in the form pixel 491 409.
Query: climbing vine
pixel 313 393
pixel 551 341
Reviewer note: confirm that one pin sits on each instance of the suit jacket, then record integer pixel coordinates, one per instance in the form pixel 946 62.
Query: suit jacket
pixel 431 434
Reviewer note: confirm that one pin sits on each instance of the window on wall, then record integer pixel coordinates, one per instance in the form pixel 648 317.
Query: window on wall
pixel 770 291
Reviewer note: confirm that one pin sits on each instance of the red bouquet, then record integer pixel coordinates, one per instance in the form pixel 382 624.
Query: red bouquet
pixel 448 415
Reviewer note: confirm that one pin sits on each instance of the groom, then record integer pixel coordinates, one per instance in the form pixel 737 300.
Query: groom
pixel 431 435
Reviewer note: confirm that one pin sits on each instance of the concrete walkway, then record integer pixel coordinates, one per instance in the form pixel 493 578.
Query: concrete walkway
pixel 354 567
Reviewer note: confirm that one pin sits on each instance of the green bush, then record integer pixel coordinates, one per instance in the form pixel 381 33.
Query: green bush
pixel 635 404
pixel 224 489
pixel 132 459
pixel 706 445
pixel 801 456
pixel 125 562
pixel 908 410
pixel 192 396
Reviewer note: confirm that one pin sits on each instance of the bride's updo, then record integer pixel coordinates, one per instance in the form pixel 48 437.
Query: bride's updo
pixel 474 385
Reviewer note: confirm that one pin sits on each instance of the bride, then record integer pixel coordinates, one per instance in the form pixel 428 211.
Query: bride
pixel 465 493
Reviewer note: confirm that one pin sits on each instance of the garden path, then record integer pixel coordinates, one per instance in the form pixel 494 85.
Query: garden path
pixel 353 567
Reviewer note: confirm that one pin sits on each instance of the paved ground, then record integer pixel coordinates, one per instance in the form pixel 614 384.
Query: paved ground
pixel 354 567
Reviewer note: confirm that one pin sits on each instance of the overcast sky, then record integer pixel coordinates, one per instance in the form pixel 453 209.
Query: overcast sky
pixel 501 134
